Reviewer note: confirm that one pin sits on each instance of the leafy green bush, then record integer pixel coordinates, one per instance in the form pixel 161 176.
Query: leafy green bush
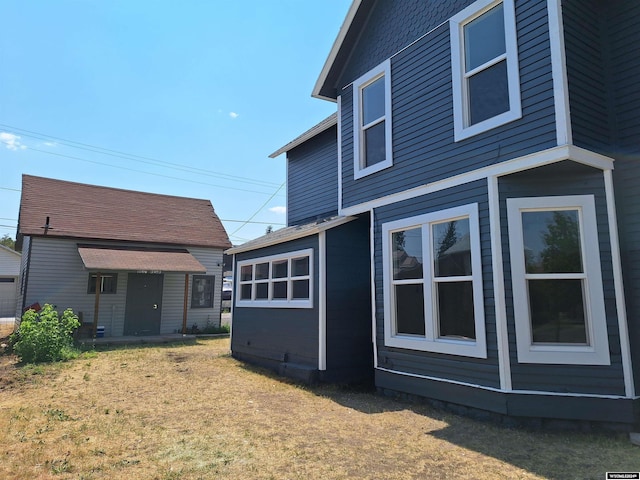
pixel 43 337
pixel 211 329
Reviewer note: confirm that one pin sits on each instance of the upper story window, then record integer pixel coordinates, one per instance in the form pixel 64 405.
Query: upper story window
pixel 433 283
pixel 484 60
pixel 557 282
pixel 372 121
pixel 279 281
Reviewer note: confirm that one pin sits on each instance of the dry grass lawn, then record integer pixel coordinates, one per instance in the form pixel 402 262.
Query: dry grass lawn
pixel 193 412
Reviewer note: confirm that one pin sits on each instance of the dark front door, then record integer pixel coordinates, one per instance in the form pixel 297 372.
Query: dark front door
pixel 144 304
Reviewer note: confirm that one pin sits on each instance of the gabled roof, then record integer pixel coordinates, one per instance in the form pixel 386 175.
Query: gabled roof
pixel 77 210
pixel 10 250
pixel 348 33
pixel 325 124
pixel 290 233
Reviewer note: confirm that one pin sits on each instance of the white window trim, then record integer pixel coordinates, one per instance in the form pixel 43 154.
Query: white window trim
pixel 430 342
pixel 382 70
pixel 597 353
pixel 460 97
pixel 276 303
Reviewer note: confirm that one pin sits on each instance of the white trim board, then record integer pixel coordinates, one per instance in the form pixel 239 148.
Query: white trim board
pixel 322 301
pixel 621 303
pixel 559 73
pixel 497 390
pixel 527 162
pixel 499 294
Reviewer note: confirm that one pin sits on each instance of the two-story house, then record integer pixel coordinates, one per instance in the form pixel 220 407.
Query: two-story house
pixel 490 147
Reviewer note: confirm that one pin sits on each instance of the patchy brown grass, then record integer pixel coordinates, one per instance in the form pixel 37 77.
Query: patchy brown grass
pixel 6 329
pixel 193 412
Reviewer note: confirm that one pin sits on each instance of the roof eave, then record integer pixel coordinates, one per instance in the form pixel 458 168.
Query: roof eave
pixel 320 227
pixel 309 134
pixel 337 45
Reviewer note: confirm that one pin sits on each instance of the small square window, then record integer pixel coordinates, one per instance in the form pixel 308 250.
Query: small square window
pixel 108 283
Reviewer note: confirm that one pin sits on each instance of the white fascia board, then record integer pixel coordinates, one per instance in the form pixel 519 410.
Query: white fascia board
pixel 333 53
pixel 295 234
pixel 508 167
pixel 325 124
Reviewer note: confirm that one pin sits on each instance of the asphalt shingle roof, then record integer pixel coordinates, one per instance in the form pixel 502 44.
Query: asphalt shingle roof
pixel 77 210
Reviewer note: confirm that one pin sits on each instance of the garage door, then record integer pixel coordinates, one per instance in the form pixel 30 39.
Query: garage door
pixel 8 298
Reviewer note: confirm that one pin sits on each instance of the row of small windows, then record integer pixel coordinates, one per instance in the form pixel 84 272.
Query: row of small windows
pixel 278 281
pixel 485 82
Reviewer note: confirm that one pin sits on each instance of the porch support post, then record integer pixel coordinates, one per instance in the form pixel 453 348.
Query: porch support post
pixel 186 300
pixel 96 307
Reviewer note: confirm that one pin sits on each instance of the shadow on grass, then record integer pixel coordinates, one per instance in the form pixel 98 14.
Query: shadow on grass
pixel 547 454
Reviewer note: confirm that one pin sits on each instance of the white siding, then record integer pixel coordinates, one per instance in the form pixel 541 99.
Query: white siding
pixel 9 272
pixel 212 261
pixel 57 276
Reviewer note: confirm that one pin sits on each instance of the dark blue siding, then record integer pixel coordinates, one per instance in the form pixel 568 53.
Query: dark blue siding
pixel 423 146
pixel 584 28
pixel 565 178
pixel 623 18
pixel 464 369
pixel 349 347
pixel 312 179
pixel 390 27
pixel 275 335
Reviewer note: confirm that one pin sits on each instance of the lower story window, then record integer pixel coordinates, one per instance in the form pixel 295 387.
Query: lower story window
pixel 108 283
pixel 433 283
pixel 202 291
pixel 283 281
pixel 557 281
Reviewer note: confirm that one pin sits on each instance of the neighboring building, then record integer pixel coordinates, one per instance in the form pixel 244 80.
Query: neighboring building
pixel 130 262
pixel 9 272
pixel 493 147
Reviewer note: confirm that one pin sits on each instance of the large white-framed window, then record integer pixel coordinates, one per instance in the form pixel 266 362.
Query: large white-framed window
pixel 433 291
pixel 484 61
pixel 372 127
pixel 276 281
pixel 557 281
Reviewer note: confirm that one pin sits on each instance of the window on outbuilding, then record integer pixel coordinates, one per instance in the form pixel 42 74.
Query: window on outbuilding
pixel 202 291
pixel 108 283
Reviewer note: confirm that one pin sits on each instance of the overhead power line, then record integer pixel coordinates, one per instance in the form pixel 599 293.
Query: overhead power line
pixel 146 173
pixel 257 211
pixel 136 158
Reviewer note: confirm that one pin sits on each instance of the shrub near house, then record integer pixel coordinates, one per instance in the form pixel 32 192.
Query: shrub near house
pixel 44 337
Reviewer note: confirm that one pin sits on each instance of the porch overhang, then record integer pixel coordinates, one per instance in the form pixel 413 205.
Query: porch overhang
pixel 141 260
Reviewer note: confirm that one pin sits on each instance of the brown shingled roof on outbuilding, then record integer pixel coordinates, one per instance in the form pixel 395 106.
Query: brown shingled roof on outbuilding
pixel 78 210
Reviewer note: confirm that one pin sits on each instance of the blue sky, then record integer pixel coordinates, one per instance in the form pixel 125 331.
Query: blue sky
pixel 181 98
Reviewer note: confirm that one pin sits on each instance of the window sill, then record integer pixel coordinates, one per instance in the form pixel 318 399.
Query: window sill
pixel 364 172
pixel 462 133
pixel 463 348
pixel 274 304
